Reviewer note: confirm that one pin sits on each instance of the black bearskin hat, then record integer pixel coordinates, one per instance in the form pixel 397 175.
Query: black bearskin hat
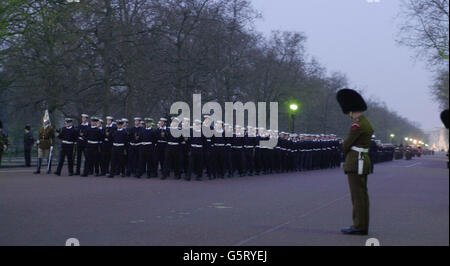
pixel 350 101
pixel 444 117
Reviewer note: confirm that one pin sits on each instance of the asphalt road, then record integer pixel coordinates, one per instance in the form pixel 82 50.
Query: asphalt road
pixel 409 206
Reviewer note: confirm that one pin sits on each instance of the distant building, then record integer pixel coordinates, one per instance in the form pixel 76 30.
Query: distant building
pixel 438 139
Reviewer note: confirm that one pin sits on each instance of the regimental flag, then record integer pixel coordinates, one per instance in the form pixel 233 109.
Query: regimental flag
pixel 46 117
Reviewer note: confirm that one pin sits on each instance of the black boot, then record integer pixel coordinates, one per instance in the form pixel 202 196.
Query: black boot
pixel 38 169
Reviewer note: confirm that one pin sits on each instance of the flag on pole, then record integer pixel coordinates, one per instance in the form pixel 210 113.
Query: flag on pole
pixel 46 117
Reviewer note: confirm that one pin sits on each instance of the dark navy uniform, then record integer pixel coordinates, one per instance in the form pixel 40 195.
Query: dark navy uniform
pixel 106 148
pixel 249 154
pixel 148 137
pixel 81 145
pixel 93 140
pixel 220 143
pixel 133 150
pixel 118 159
pixel 68 137
pixel 172 156
pixel 161 146
pixel 196 146
pixel 237 144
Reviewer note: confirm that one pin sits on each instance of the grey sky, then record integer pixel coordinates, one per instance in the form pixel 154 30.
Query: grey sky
pixel 357 38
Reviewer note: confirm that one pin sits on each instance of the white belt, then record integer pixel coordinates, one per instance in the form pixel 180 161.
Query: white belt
pixel 360 158
pixel 360 150
pixel 173 143
pixel 118 144
pixel 228 144
pixel 135 144
pixel 248 147
pixel 219 144
pixel 162 141
pixel 146 143
pixel 237 147
pixel 93 142
pixel 80 138
pixel 67 142
pixel 196 146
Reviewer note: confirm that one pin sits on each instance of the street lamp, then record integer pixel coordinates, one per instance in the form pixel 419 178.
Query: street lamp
pixel 293 108
pixel 392 137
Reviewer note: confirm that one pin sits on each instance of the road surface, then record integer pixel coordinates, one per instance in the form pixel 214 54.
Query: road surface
pixel 409 206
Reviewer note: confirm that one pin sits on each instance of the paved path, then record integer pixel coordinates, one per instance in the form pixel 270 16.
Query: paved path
pixel 409 206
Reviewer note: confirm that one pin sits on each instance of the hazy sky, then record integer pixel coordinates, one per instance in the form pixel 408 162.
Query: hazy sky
pixel 357 38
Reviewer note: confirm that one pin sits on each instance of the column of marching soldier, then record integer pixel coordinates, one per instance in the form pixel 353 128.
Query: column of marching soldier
pixel 143 149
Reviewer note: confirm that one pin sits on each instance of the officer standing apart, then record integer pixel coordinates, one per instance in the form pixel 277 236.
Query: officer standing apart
pixel 28 142
pixel 357 161
pixel 45 142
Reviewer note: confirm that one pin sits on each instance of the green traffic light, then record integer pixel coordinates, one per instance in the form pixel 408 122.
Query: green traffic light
pixel 293 107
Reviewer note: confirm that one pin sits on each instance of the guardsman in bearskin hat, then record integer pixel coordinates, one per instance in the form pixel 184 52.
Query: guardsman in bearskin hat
pixel 68 136
pixel 357 161
pixel 46 142
pixel 444 118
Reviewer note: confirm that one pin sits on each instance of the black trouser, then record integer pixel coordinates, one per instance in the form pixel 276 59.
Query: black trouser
pixel 258 160
pixel 92 156
pixel 238 160
pixel 146 157
pixel 27 153
pixel 249 160
pixel 106 151
pixel 66 151
pixel 185 158
pixel 196 162
pixel 133 158
pixel 219 161
pixel 118 160
pixel 229 160
pixel 160 155
pixel 208 161
pixel 81 149
pixel 172 160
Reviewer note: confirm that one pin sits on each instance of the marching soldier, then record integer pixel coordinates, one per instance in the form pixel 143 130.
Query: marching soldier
pixel 219 150
pixel 148 137
pixel 196 143
pixel 186 126
pixel 209 149
pixel 46 142
pixel 28 142
pixel 93 138
pixel 161 143
pixel 172 154
pixel 68 136
pixel 228 149
pixel 81 142
pixel 118 158
pixel 237 146
pixel 133 148
pixel 249 150
pixel 107 145
pixel 357 163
